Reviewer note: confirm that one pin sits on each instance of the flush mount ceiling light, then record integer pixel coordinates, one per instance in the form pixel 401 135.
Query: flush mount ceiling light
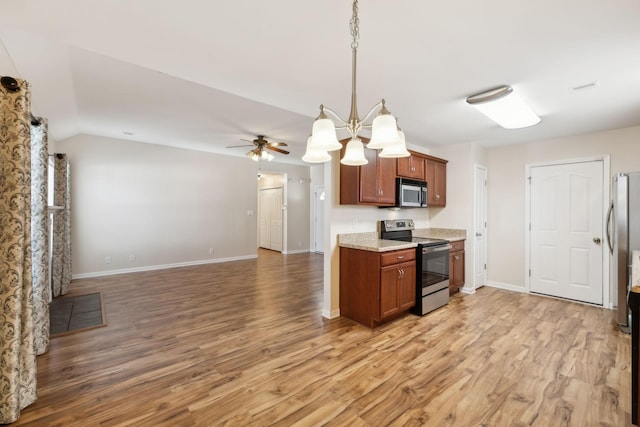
pixel 505 107
pixel 384 131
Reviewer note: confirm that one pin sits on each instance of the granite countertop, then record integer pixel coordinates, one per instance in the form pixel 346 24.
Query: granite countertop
pixel 450 234
pixel 371 242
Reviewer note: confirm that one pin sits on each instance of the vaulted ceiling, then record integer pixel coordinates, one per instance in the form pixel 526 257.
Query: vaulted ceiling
pixel 200 74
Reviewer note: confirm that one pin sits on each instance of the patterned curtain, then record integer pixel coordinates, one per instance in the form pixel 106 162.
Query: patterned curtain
pixel 61 262
pixel 18 357
pixel 40 234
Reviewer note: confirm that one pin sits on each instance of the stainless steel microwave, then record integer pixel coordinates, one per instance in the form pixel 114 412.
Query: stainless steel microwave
pixel 411 193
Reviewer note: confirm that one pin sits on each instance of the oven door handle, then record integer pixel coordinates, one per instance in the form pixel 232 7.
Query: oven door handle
pixel 439 248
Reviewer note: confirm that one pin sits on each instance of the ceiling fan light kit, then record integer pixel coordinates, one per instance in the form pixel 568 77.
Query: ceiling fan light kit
pixel 261 146
pixel 257 154
pixel 384 129
pixel 505 107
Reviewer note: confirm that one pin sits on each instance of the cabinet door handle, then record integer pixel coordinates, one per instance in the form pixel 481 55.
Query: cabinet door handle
pixel 437 196
pixel 400 256
pixel 457 257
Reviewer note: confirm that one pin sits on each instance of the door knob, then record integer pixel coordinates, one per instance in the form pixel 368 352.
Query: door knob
pixel 596 240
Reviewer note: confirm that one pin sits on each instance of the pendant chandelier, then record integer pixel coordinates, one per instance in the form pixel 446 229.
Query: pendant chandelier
pixel 385 134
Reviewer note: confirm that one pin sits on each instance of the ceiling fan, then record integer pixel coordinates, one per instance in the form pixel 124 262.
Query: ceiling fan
pixel 261 147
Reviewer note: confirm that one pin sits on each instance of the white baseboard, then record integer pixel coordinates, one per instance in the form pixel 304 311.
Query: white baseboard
pixel 331 314
pixel 299 251
pixel 505 286
pixel 468 291
pixel 159 267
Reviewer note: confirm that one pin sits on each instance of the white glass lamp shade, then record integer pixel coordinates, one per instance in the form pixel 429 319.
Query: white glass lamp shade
pixel 399 149
pixel 384 131
pixel 255 157
pixel 315 155
pixel 354 153
pixel 323 135
pixel 505 107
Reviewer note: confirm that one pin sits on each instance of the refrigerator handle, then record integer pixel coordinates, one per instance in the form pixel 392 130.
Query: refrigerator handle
pixel 609 242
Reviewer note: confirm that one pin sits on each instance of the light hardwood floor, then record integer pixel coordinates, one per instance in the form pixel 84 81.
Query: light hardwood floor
pixel 243 343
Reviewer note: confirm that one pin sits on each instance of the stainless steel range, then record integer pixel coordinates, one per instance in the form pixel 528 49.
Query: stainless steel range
pixel 432 264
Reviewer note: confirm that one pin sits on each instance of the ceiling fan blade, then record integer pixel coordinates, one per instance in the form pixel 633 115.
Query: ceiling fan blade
pixel 236 146
pixel 277 144
pixel 279 150
pixel 246 140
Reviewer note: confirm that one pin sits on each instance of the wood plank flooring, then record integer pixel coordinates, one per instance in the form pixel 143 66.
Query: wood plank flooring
pixel 243 344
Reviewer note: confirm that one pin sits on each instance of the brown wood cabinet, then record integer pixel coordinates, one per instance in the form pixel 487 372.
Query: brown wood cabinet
pixel 436 172
pixel 411 167
pixel 376 286
pixel 456 266
pixel 370 184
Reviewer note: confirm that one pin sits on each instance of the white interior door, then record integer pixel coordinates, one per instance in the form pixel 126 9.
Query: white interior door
pixel 318 219
pixel 271 218
pixel 276 219
pixel 566 231
pixel 480 227
pixel 265 219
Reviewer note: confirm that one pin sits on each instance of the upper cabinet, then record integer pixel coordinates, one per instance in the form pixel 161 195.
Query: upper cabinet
pixel 412 167
pixel 375 183
pixel 427 168
pixel 370 184
pixel 436 171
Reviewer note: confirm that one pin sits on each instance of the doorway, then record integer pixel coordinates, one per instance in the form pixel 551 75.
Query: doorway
pixel 565 230
pixel 271 215
pixel 479 227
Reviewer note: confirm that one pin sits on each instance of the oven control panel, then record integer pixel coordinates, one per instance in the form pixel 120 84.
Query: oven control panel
pixel 397 224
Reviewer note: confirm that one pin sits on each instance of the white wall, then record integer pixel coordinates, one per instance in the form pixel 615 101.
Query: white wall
pixel 316 174
pixel 506 189
pixel 459 212
pixel 166 206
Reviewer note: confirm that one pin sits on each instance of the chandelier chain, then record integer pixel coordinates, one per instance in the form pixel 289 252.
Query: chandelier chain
pixel 354 26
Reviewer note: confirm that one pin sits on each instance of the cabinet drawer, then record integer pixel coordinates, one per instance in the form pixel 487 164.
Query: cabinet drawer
pixel 396 257
pixel 457 246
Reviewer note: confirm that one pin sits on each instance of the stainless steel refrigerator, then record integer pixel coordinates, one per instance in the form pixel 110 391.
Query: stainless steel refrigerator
pixel 623 236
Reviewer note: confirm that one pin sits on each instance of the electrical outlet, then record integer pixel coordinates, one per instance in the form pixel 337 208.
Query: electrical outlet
pixel 132 258
pixel 210 251
pixel 107 260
